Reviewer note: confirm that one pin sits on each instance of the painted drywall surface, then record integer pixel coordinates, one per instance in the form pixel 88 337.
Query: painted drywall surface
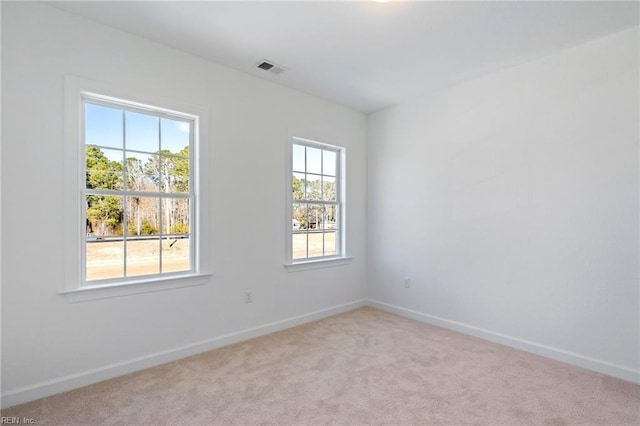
pixel 46 338
pixel 512 202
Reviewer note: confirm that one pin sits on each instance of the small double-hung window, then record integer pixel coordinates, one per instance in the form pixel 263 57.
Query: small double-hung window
pixel 316 201
pixel 138 195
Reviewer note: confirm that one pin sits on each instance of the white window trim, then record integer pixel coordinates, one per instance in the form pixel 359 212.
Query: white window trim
pixel 161 283
pixel 73 289
pixel 318 262
pixel 305 265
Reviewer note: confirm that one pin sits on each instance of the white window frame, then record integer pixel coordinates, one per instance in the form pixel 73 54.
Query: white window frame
pixel 340 258
pixel 76 289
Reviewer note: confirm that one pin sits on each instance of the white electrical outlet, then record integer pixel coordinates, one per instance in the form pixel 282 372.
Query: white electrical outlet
pixel 248 297
pixel 407 282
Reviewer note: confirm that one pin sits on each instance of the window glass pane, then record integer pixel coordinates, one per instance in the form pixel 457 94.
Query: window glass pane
pixel 314 160
pixel 298 158
pixel 298 186
pixel 328 218
pixel 166 207
pixel 104 216
pixel 141 132
pixel 314 187
pixel 103 126
pixel 328 188
pixel 299 216
pixel 299 241
pixel 315 243
pixel 314 216
pixel 175 136
pixel 315 213
pixel 328 163
pixel 175 216
pixel 141 172
pixel 143 216
pixel 103 168
pixel 331 217
pixel 176 254
pixel 330 243
pixel 175 174
pixel 143 256
pixel 105 258
pixel 166 168
pixel 104 246
pixel 299 233
pixel 150 167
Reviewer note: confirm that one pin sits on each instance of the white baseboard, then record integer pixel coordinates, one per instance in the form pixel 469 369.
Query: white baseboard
pixel 74 381
pixel 599 366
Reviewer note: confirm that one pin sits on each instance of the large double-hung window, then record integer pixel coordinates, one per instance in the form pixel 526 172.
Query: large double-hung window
pixel 138 191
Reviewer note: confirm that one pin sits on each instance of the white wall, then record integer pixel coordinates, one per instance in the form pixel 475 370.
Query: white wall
pixel 512 203
pixel 51 345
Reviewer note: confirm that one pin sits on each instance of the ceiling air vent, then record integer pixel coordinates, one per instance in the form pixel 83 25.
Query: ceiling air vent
pixel 271 67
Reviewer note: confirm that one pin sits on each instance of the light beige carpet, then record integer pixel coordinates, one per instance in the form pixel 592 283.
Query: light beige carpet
pixel 362 367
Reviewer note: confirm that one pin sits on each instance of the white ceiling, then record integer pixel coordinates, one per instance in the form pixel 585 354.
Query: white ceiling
pixel 365 55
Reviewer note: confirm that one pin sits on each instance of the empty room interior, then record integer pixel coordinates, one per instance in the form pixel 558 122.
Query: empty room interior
pixel 320 212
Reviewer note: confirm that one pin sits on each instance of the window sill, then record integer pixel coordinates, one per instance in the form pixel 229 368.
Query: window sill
pixel 317 264
pixel 106 291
